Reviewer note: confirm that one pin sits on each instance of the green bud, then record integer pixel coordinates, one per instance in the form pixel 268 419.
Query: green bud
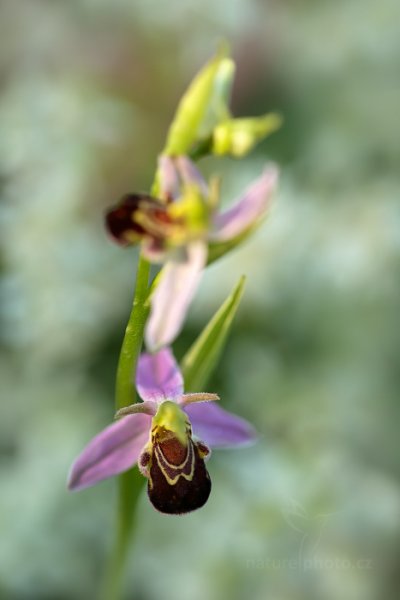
pixel 203 105
pixel 238 136
pixel 218 106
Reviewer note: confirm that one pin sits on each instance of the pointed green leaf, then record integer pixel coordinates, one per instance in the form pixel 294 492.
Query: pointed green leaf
pixel 202 357
pixel 202 106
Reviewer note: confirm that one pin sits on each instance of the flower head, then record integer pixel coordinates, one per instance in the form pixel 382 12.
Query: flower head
pixel 169 435
pixel 176 230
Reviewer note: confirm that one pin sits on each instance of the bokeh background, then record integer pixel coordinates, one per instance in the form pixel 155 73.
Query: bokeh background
pixel 88 90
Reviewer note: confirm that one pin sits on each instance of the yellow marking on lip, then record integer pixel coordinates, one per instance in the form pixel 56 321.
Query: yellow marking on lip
pixel 174 480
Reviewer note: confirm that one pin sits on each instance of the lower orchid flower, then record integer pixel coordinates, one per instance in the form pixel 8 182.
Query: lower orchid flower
pixel 169 436
pixel 176 230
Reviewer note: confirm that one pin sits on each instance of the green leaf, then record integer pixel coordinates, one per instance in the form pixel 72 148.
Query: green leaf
pixel 202 357
pixel 203 105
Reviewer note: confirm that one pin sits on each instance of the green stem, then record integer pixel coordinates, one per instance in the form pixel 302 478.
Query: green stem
pixel 131 482
pixel 125 393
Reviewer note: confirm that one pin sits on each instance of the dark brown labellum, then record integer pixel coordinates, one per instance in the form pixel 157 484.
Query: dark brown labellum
pixel 178 479
pixel 122 223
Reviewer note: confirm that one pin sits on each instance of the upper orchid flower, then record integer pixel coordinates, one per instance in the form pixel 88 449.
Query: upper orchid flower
pixel 176 228
pixel 168 434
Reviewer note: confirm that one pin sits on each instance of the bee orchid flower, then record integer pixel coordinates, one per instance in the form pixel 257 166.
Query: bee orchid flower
pixel 169 435
pixel 176 229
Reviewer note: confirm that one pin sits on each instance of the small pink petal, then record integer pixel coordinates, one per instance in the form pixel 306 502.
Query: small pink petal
pixel 113 450
pixel 248 210
pixel 172 296
pixel 217 427
pixel 169 180
pixel 190 174
pixel 158 377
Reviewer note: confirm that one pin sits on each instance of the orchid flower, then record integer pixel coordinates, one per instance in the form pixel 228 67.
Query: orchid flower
pixel 176 230
pixel 169 436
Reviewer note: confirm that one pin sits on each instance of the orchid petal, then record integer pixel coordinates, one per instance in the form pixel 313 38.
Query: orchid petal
pixel 148 407
pixel 217 427
pixel 158 377
pixel 172 296
pixel 198 397
pixel 248 210
pixel 169 180
pixel 113 450
pixel 190 174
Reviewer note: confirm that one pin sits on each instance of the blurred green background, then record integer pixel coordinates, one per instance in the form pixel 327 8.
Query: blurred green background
pixel 88 91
